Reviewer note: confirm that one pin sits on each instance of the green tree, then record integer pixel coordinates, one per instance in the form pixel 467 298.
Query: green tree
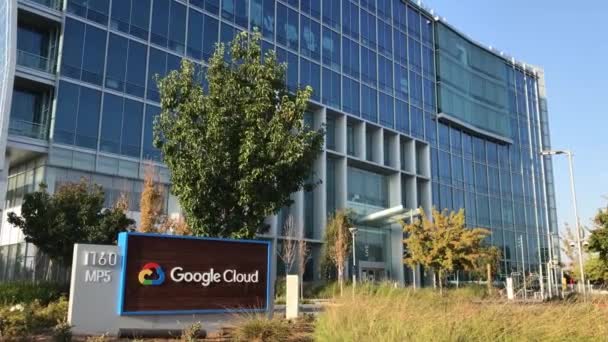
pixel 237 149
pixel 338 242
pixel 596 270
pixel 75 213
pixel 444 244
pixel 598 240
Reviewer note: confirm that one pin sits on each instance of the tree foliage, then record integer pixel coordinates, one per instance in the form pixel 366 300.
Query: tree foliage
pixel 236 149
pixel 598 240
pixel 150 203
pixel 75 213
pixel 338 242
pixel 444 244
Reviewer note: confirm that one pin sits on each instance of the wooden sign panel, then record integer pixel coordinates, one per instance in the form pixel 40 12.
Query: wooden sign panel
pixel 167 274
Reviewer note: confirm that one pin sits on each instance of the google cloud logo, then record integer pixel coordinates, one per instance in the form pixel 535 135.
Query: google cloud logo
pixel 149 270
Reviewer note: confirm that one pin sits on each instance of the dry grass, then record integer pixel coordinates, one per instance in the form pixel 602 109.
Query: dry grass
pixel 389 314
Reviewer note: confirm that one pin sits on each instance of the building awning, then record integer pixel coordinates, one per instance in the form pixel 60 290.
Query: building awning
pixel 389 216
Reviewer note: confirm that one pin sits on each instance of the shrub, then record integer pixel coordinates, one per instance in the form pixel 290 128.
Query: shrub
pixel 62 332
pixel 100 338
pixel 21 319
pixel 27 292
pixel 262 329
pixel 193 332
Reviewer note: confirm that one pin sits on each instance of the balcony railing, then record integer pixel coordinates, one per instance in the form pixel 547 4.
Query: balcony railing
pixel 54 4
pixel 28 129
pixel 30 60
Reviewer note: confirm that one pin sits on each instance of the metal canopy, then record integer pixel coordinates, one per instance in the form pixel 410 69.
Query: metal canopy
pixel 389 216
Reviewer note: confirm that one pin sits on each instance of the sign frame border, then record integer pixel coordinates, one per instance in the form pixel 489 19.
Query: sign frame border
pixel 123 248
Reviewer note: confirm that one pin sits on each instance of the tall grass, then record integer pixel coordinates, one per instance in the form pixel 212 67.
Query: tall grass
pixel 384 313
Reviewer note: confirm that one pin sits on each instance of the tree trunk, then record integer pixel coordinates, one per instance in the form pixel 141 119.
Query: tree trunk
pixel 434 280
pixel 489 273
pixel 341 280
pixel 440 282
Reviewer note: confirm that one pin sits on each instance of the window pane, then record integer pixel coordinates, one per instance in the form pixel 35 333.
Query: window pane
pixel 368 66
pixel 331 88
pixel 121 15
pixel 331 13
pixel 67 109
pixel 136 70
pixel 350 57
pixel 156 66
pixel 292 67
pixel 116 66
pixel 111 123
pixel 73 42
pixel 385 38
pixel 331 49
pixel 131 128
pixel 417 122
pixel 350 90
pixel 312 8
pixel 287 27
pixel 310 74
pixel 413 22
pixel 368 29
pixel 195 34
pixel 385 73
pixel 209 36
pixel 387 110
pixel 94 54
pixel 350 22
pixel 160 22
pixel 88 118
pixel 150 152
pixel 177 27
pixel 369 108
pixel 415 55
pixel 402 114
pixel 262 17
pixel 140 18
pixel 401 82
pixel 415 89
pixel 384 9
pixel 311 32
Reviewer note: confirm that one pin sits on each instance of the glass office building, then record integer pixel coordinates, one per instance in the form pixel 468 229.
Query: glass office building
pixel 417 114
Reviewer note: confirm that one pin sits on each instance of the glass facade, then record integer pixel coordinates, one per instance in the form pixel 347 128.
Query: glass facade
pixel 385 68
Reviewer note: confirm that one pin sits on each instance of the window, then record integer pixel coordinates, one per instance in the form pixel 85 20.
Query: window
pixel 401 82
pixel 428 62
pixel 445 197
pixel 350 139
pixel 415 89
pixel 312 8
pixel 235 11
pixel 116 65
pixel 387 110
pixel 331 49
pixel 445 173
pixel 350 95
pixel 83 58
pixel 310 74
pixel 67 109
pixel 350 57
pixel 369 107
pixel 444 137
pixel 402 115
pixel 368 66
pixel 415 55
pixel 457 172
pixel 160 22
pixel 331 14
pixel 479 150
pixel 150 152
pixel 370 5
pixel 400 15
pixel 385 73
pixel 385 38
pixel 350 20
pixel 169 30
pixel 157 65
pixel 202 35
pixel 429 94
pixel 287 27
pixel 481 178
pixel 366 187
pixel 384 9
pixel 427 31
pixel 177 27
pixel 121 126
pixel 96 11
pixel 212 6
pixel 331 88
pixel 417 122
pixel 292 68
pixel 262 16
pixel 430 127
pixel 413 22
pixel 87 122
pixel 330 135
pixel 131 17
pixel 456 140
pixel 400 47
pixel 368 29
pixel 311 31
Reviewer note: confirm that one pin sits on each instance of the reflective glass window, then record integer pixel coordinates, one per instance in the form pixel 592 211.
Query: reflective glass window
pixel 111 123
pixel 140 18
pixel 385 38
pixel 368 66
pixel 312 8
pixel 177 27
pixel 427 31
pixel 350 57
pixel 331 88
pixel 387 110
pixel 428 62
pixel 400 47
pixel 310 38
pixel 160 22
pixel 481 178
pixel 65 115
pixel 73 42
pixel 350 96
pixel 292 67
pixel 131 128
pixel 429 94
pixel 385 75
pixel 413 22
pixel 400 15
pixel 401 82
pixel 195 34
pixel 331 48
pixel 235 11
pixel 384 9
pixel 262 17
pixel 212 6
pixel 157 65
pixel 331 13
pixel 96 11
pixel 402 116
pixel 370 5
pixel 415 56
pixel 88 118
pixel 94 55
pixel 479 150
pixel 369 103
pixel 287 27
pixel 116 65
pixel 456 140
pixel 417 122
pixel 136 70
pixel 457 171
pixel 368 29
pixel 121 15
pixel 415 82
pixel 310 74
pixel 350 19
pixel 444 136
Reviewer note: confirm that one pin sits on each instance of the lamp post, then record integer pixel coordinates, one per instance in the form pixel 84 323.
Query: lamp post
pixel 574 203
pixel 353 231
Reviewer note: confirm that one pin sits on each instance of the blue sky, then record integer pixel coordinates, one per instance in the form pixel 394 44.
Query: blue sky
pixel 570 41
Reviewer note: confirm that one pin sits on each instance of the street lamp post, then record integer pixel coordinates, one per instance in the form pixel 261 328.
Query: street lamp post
pixel 353 232
pixel 576 219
